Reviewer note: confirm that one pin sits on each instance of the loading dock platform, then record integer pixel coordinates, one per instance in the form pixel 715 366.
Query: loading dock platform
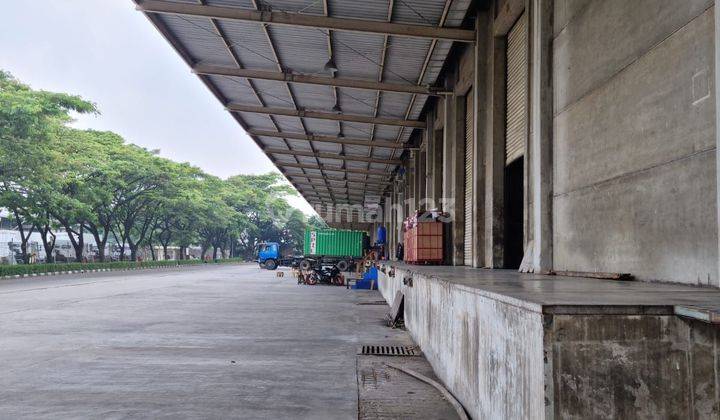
pixel 512 345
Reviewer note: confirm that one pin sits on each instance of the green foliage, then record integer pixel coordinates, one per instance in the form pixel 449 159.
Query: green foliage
pixel 29 119
pixel 316 222
pixel 54 176
pixel 27 114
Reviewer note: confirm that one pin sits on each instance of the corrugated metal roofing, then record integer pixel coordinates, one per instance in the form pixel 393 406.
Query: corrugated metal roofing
pixel 305 50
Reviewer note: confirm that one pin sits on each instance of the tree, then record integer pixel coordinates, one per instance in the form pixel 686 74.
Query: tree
pixel 34 115
pixel 107 183
pixel 55 176
pixel 293 231
pixel 145 183
pixel 214 214
pixel 87 185
pixel 262 199
pixel 29 121
pixel 316 222
pixel 106 187
pixel 177 207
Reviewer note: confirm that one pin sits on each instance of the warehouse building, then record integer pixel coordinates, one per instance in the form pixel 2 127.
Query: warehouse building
pixel 572 139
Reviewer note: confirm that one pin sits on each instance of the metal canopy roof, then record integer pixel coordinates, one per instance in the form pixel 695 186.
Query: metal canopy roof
pixel 331 90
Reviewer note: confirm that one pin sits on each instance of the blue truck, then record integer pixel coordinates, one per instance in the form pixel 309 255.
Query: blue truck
pixel 271 255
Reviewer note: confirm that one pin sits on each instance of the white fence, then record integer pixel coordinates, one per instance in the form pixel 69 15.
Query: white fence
pixel 10 246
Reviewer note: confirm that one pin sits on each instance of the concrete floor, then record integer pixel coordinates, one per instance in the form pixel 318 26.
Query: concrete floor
pixel 205 342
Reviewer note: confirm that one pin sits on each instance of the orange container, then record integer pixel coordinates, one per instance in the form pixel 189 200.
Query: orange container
pixel 424 243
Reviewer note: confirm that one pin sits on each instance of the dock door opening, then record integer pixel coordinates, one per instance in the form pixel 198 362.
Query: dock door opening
pixel 515 141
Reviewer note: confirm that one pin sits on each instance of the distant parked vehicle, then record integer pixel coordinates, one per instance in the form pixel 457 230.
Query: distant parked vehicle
pixel 338 247
pixel 271 255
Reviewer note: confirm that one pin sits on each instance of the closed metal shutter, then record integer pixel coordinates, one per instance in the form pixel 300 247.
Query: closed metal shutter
pixel 516 98
pixel 469 128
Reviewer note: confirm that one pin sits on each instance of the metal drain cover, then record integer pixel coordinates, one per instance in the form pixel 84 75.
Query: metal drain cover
pixel 373 302
pixel 380 350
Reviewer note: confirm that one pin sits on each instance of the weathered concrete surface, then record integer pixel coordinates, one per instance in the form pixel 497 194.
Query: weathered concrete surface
pixel 511 345
pixel 487 353
pixel 657 225
pixel 632 367
pixel 209 342
pixel 634 140
pixel 387 393
pixel 644 117
pixel 600 37
pixel 566 10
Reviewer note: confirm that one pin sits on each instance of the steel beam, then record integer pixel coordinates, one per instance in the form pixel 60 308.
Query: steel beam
pixel 319 201
pixel 380 75
pixel 289 112
pixel 357 198
pixel 290 92
pixel 338 188
pixel 332 156
pixel 327 195
pixel 334 179
pixel 338 212
pixel 363 187
pixel 236 59
pixel 334 211
pixel 361 194
pixel 391 144
pixel 289 77
pixel 337 195
pixel 307 20
pixel 426 64
pixel 330 168
pixel 340 200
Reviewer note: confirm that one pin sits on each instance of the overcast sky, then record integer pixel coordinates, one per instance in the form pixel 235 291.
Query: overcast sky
pixel 110 54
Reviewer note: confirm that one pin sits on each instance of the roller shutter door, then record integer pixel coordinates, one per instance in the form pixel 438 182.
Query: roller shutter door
pixel 516 79
pixel 469 127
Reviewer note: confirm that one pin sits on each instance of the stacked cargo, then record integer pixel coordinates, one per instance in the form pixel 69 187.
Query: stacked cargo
pixel 423 241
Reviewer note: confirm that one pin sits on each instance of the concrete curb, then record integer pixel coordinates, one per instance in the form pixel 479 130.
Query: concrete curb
pixel 100 270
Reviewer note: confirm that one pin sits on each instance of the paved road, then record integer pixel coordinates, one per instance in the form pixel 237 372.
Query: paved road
pixel 208 342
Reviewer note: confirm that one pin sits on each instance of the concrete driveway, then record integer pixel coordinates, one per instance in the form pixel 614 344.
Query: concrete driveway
pixel 200 342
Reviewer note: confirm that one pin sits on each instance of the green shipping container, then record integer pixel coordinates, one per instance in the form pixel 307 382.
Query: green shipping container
pixel 334 242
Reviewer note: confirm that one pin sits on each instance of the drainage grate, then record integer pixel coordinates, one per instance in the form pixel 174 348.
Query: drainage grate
pixel 376 302
pixel 389 351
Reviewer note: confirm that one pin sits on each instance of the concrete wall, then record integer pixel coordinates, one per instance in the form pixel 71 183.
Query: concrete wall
pixel 632 367
pixel 502 358
pixel 626 181
pixel 634 139
pixel 487 352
